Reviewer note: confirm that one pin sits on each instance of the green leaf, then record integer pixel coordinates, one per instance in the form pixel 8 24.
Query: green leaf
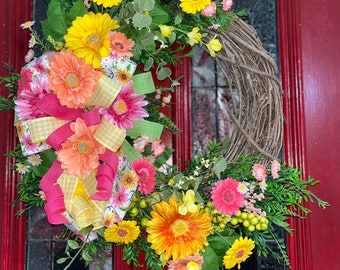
pixel 54 25
pixel 159 15
pixel 72 244
pixel 140 20
pixel 61 260
pixel 144 5
pixel 219 166
pixel 211 260
pixel 78 9
pixel 86 256
pixel 148 64
pixel 163 73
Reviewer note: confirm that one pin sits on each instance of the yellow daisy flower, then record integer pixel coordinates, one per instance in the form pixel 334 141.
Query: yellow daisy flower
pixel 123 75
pixel 194 6
pixel 88 37
pixel 177 235
pixel 194 36
pixel 214 45
pixel 108 3
pixel 238 252
pixel 125 232
pixel 130 180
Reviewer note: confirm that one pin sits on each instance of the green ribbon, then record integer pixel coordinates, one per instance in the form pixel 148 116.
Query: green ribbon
pixel 143 83
pixel 131 153
pixel 143 127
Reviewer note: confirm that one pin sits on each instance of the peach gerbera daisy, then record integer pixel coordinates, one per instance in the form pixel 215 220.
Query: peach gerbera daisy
pixel 177 235
pixel 80 152
pixel 88 37
pixel 72 80
pixel 182 264
pixel 226 197
pixel 120 44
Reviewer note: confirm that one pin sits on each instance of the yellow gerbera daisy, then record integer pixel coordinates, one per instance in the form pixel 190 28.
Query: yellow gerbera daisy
pixel 177 235
pixel 238 252
pixel 194 6
pixel 125 232
pixel 130 180
pixel 88 37
pixel 108 3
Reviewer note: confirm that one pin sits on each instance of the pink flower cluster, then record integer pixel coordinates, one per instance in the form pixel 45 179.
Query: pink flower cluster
pixel 157 145
pixel 210 10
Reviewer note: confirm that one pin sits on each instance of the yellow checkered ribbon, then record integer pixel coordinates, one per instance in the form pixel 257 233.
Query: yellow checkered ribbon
pixel 109 135
pixel 106 92
pixel 41 128
pixel 78 204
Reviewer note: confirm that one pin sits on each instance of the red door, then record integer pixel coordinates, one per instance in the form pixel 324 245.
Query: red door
pixel 309 37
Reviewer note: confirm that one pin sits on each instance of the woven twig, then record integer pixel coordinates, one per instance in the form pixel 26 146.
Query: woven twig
pixel 255 106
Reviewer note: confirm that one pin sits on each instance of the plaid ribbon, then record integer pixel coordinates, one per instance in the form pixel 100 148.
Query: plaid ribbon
pixel 106 92
pixel 143 83
pixel 41 128
pixel 109 135
pixel 143 127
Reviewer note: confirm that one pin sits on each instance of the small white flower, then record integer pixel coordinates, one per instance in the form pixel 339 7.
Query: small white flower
pixel 21 168
pixel 27 25
pixel 34 160
pixel 243 187
pixel 32 42
pixel 263 186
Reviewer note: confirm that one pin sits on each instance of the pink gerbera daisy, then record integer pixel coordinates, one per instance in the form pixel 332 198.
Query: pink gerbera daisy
pixel 26 105
pixel 24 83
pixel 120 197
pixel 126 108
pixel 226 197
pixel 29 145
pixel 146 175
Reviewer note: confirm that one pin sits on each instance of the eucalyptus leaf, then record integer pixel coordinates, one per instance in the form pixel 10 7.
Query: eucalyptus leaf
pixel 78 9
pixel 159 15
pixel 163 73
pixel 144 5
pixel 141 20
pixel 148 64
pixel 86 256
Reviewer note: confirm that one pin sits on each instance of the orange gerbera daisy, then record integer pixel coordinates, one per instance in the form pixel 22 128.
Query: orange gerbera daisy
pixel 72 80
pixel 120 44
pixel 80 152
pixel 177 235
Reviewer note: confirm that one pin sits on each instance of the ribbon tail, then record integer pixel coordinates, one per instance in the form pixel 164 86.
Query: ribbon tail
pixel 105 176
pixel 55 205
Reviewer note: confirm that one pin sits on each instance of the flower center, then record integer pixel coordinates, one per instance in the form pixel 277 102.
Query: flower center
pixel 229 196
pixel 143 173
pixel 122 233
pixel 179 227
pixel 240 254
pixel 72 80
pixel 120 107
pixel 119 45
pixel 83 147
pixel 94 40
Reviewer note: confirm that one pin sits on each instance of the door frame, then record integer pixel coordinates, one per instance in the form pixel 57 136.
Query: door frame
pixel 294 146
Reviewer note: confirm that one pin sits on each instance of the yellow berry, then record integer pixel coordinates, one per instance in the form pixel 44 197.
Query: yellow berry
pixel 246 223
pixel 143 203
pixel 244 216
pixel 234 221
pixel 264 227
pixel 254 220
pixel 251 228
pixel 133 212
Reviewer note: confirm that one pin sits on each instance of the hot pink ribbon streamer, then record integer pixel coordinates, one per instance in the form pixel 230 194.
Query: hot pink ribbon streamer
pixel 55 204
pixel 105 176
